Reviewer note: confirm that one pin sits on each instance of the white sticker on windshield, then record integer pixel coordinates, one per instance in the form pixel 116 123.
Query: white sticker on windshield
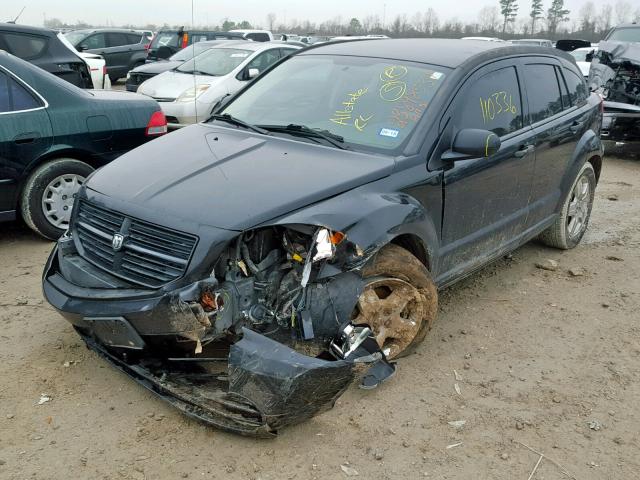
pixel 389 132
pixel 239 55
pixel 436 75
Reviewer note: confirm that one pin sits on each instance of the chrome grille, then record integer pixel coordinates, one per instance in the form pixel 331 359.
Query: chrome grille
pixel 150 255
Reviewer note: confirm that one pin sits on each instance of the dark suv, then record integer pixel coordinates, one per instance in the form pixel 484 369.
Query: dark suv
pixel 43 48
pixel 247 268
pixel 123 50
pixel 168 42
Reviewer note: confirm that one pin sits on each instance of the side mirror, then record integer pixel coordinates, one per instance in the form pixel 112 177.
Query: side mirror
pixel 83 48
pixel 472 143
pixel 252 73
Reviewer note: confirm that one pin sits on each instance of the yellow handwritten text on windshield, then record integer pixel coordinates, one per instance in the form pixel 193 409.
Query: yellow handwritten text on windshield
pixel 344 116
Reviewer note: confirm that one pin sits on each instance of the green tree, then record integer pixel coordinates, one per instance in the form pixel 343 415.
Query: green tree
pixel 228 25
pixel 536 13
pixel 509 10
pixel 556 15
pixel 355 26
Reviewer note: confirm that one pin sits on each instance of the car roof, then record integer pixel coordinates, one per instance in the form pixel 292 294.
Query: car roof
pixel 450 53
pixel 107 30
pixel 254 46
pixel 26 29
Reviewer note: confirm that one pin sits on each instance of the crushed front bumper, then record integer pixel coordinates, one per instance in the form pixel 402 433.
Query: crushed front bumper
pixel 265 386
pixel 621 122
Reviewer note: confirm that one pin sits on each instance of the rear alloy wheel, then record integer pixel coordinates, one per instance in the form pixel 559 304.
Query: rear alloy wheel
pixel 48 196
pixel 571 225
pixel 399 301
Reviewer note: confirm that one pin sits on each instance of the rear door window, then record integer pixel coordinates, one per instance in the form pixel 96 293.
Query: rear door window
pixel 116 39
pixel 493 103
pixel 543 91
pixel 24 46
pixel 133 38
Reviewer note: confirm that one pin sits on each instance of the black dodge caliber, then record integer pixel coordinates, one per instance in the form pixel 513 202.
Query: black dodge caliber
pixel 249 268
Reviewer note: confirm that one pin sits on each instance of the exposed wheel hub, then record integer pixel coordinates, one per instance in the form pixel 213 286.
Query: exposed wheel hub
pixel 394 310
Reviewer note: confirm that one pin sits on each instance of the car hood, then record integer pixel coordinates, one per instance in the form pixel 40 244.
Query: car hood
pixel 156 67
pixel 171 84
pixel 232 179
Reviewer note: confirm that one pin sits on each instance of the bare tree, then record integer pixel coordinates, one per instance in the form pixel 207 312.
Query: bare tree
pixel 604 18
pixel 556 15
pixel 489 18
pixel 271 20
pixel 588 17
pixel 430 21
pixel 623 11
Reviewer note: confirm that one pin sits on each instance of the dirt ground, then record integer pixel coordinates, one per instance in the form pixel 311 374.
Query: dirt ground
pixel 548 359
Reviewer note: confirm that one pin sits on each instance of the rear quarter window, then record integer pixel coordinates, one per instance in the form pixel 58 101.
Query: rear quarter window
pixel 492 103
pixel 14 97
pixel 25 46
pixel 577 86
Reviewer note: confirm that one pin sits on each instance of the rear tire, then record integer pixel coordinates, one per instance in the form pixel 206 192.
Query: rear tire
pixel 45 189
pixel 571 225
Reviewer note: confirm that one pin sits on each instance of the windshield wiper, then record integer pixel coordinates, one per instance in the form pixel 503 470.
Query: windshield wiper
pixel 197 72
pixel 304 131
pixel 225 117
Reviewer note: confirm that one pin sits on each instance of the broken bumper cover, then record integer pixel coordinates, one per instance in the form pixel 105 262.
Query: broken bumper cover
pixel 267 386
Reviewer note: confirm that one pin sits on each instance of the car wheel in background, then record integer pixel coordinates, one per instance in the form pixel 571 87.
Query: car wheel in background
pixel 399 301
pixel 571 225
pixel 48 195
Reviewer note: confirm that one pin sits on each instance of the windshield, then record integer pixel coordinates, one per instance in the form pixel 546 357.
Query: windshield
pixel 625 35
pixel 166 39
pixel 188 53
pixel 369 102
pixel 215 61
pixel 75 37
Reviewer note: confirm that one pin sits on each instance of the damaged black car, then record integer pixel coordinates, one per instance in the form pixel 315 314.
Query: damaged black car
pixel 250 268
pixel 615 74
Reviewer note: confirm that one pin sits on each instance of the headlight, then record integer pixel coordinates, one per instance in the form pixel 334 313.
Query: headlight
pixel 192 93
pixel 128 75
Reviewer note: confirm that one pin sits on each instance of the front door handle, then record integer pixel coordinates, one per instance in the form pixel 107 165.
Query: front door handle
pixel 524 151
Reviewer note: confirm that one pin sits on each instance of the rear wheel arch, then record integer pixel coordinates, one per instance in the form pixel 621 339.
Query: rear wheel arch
pixel 596 163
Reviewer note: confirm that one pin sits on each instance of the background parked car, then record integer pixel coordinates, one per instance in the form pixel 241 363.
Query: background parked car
pixel 149 70
pixel 123 50
pixel 168 42
pixel 53 135
pixel 256 35
pixel 583 58
pixel 188 93
pixel 43 48
pixel 95 63
pixel 536 42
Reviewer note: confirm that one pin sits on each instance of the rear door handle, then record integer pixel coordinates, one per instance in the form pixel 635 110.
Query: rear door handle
pixel 524 151
pixel 576 126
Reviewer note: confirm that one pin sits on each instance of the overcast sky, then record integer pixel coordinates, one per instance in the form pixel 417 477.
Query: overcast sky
pixel 121 12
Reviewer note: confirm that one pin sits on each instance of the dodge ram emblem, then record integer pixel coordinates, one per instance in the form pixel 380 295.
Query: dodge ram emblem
pixel 117 241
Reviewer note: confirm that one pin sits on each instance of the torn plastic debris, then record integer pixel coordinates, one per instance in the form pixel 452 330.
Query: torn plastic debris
pixel 266 387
